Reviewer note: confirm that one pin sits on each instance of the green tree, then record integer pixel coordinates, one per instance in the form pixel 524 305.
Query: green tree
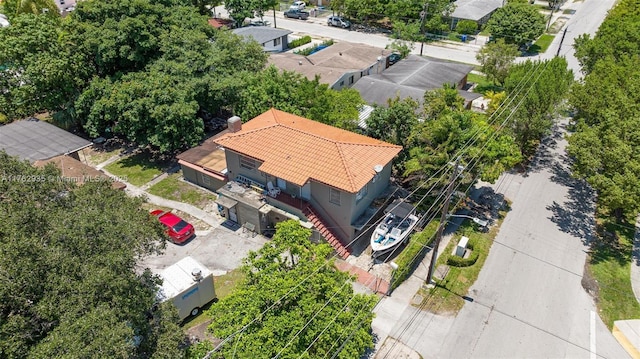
pixel 291 92
pixel 270 314
pixel 14 8
pixel 239 10
pixel 71 286
pixel 517 23
pixel 538 88
pixel 467 27
pixel 496 59
pixel 43 70
pixel 605 147
pixel 453 132
pixel 393 123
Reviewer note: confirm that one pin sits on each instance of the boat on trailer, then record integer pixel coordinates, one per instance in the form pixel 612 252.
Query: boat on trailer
pixel 399 221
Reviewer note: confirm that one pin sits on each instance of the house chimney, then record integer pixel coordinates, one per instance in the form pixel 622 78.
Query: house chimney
pixel 234 124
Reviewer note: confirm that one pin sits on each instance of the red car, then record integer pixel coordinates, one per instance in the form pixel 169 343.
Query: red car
pixel 177 228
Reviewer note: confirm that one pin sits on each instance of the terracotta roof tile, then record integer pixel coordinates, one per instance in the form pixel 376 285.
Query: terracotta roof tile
pixel 297 149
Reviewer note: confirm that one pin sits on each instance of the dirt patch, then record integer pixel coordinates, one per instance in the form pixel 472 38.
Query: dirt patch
pixel 200 333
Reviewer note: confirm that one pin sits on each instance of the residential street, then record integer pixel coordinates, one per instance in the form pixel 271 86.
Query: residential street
pixel 529 301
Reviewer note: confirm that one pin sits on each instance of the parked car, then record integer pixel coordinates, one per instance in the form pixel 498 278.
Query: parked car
pixel 298 5
pixel 260 23
pixel 297 14
pixel 338 21
pixel 177 228
pixel 394 57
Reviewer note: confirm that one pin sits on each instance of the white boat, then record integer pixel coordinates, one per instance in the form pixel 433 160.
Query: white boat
pixel 394 228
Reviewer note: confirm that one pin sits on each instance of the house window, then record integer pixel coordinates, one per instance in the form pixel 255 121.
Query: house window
pixel 334 196
pixel 276 42
pixel 351 80
pixel 205 179
pixel 247 163
pixel 362 193
pixel 341 83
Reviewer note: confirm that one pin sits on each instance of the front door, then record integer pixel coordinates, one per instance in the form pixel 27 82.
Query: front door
pixel 233 216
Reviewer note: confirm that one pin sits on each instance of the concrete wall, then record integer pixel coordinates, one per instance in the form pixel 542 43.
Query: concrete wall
pixel 198 178
pixel 270 47
pixel 234 169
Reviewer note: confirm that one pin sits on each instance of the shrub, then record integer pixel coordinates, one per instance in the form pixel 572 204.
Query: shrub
pixel 299 42
pixel 310 50
pixel 412 255
pixel 468 27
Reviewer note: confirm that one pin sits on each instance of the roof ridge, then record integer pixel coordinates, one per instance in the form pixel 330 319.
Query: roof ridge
pixel 346 167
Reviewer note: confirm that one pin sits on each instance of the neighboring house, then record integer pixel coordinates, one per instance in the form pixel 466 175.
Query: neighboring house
pixel 412 77
pixel 222 23
pixel 271 39
pixel 205 165
pixel 40 143
pixel 339 65
pixel 479 11
pixel 34 140
pixel 284 166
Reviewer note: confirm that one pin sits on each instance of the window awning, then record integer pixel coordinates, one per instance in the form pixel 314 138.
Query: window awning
pixel 226 202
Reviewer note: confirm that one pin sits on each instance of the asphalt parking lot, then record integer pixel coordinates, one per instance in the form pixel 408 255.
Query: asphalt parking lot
pixel 220 249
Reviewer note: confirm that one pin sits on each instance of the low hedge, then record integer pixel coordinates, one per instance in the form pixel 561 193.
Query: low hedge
pixel 456 261
pixel 299 42
pixel 413 254
pixel 309 50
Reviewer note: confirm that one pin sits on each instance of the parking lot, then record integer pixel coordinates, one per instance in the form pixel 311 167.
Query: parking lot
pixel 220 249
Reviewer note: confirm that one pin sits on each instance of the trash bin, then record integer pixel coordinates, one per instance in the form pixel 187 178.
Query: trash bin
pixel 463 38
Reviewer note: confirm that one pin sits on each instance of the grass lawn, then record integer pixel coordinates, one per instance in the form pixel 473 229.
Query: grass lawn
pixel 95 157
pixel 175 189
pixel 609 264
pixel 137 169
pixel 542 44
pixel 484 85
pixel 447 296
pixel 224 285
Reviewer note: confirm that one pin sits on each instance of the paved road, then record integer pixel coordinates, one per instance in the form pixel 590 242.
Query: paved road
pixel 528 299
pixel 586 20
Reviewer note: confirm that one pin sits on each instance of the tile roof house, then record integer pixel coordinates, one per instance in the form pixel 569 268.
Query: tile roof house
pixel 339 65
pixel 412 77
pixel 271 39
pixel 323 175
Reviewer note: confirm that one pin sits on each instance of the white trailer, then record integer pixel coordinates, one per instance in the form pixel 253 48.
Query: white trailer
pixel 189 285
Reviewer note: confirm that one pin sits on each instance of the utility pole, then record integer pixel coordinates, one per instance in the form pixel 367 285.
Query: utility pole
pixel 423 15
pixel 443 221
pixel 561 40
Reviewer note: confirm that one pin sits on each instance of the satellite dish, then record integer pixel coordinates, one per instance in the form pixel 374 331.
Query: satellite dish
pixel 378 168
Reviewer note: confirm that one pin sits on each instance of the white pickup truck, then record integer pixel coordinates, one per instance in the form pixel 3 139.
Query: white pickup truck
pixel 189 285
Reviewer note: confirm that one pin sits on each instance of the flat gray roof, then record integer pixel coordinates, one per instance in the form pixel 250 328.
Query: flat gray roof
pixel 410 77
pixel 475 9
pixel 34 140
pixel 261 34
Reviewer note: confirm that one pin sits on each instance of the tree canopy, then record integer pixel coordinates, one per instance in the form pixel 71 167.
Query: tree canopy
pixel 496 59
pixel 537 89
pixel 517 23
pixel 272 315
pixel 68 261
pixel 606 143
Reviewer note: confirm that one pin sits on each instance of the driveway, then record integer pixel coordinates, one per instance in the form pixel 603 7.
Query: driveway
pixel 221 250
